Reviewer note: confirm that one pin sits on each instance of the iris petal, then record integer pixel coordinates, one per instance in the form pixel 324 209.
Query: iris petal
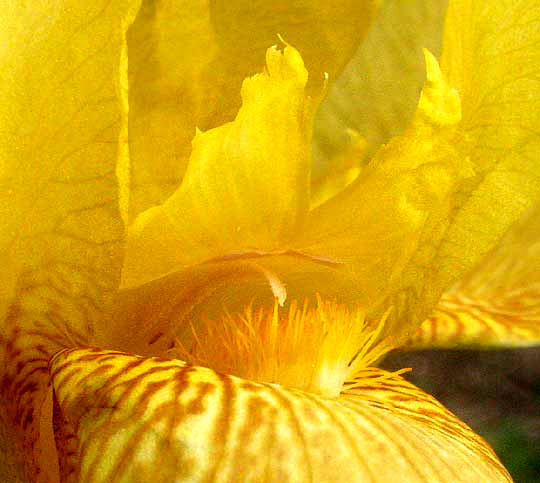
pixel 60 230
pixel 378 91
pixel 498 303
pixel 127 418
pixel 247 184
pixel 188 61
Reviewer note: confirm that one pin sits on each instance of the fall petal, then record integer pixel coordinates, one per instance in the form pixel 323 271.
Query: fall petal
pixel 126 418
pixel 246 188
pixel 498 303
pixel 60 228
pixel 188 61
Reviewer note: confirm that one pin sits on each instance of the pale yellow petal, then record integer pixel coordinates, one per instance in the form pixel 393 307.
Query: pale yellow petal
pixel 246 188
pixel 127 418
pixel 491 58
pixel 188 61
pixel 377 93
pixel 379 223
pixel 60 226
pixel 491 54
pixel 498 303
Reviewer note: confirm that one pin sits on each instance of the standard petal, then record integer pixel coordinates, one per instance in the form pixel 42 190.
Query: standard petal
pixel 378 91
pixel 123 418
pixel 60 225
pixel 378 224
pixel 491 54
pixel 491 57
pixel 188 60
pixel 247 185
pixel 498 303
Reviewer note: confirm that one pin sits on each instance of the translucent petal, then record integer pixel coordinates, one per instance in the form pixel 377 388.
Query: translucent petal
pixel 377 93
pixel 498 303
pixel 491 54
pixel 188 61
pixel 60 225
pixel 491 57
pixel 247 184
pixel 125 418
pixel 378 224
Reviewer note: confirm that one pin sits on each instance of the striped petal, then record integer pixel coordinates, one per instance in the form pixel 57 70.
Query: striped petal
pixel 498 303
pixel 121 418
pixel 60 225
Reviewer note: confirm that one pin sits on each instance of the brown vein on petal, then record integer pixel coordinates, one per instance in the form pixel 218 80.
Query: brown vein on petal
pixel 429 456
pixel 167 410
pixel 513 319
pixel 400 448
pixel 351 440
pixel 162 420
pixel 396 395
pixel 223 423
pixel 286 404
pixel 361 427
pixel 132 444
pixel 254 409
pixel 117 394
pixel 104 399
pixel 435 454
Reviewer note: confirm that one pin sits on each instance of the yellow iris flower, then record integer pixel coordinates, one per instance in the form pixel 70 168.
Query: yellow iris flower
pixel 181 301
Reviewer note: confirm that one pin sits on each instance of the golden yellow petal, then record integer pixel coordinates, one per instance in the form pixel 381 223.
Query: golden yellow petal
pixel 60 226
pixel 498 303
pixel 126 418
pixel 383 220
pixel 188 61
pixel 247 184
pixel 491 57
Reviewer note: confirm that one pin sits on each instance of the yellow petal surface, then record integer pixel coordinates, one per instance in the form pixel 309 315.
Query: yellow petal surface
pixel 377 224
pixel 491 57
pixel 491 54
pixel 498 303
pixel 377 93
pixel 247 184
pixel 122 418
pixel 188 60
pixel 60 226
